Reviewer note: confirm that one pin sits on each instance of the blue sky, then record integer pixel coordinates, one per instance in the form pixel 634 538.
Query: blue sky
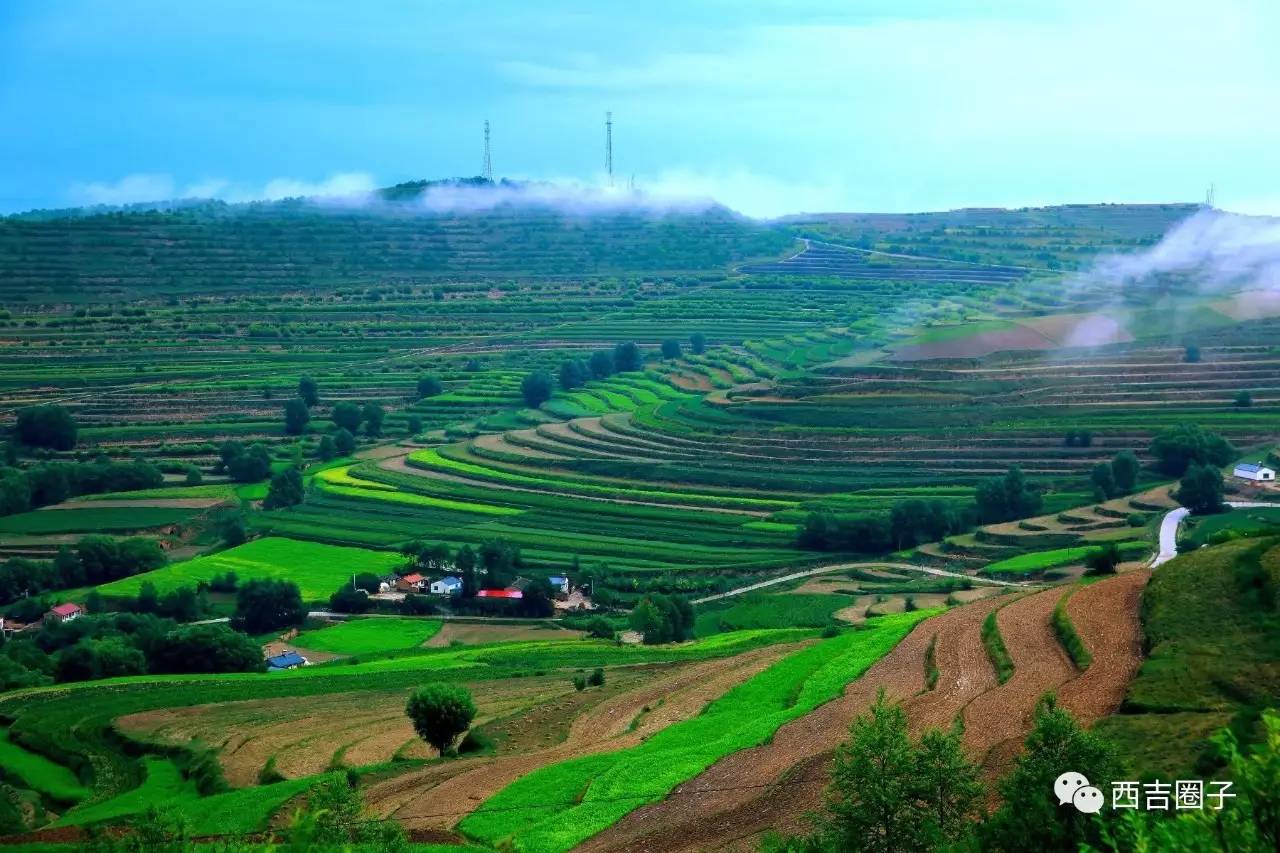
pixel 768 106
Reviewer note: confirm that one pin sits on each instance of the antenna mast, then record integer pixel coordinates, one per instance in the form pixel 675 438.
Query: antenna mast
pixel 1209 196
pixel 488 164
pixel 608 145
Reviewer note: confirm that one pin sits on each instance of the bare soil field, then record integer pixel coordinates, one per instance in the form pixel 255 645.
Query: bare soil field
pixel 976 345
pixel 475 634
pixel 1106 616
pixel 424 800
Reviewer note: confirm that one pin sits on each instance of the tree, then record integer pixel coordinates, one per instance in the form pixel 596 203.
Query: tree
pixel 1124 470
pixel 1104 559
pixel 1200 489
pixel 1243 400
pixel 265 604
pixel 573 372
pixel 413 425
pixel 308 391
pixel 600 629
pixel 344 442
pixel 326 449
pixel 373 416
pixel 596 678
pixel 1177 447
pixel 232 528
pixel 347 416
pixel 698 343
pixel 1006 498
pixel 626 357
pixel 536 388
pixel 647 621
pixel 148 600
pixel 349 599
pixel 601 364
pixel 1030 818
pixel 194 476
pixel 465 562
pixel 296 416
pixel 207 648
pixel 429 386
pixel 441 712
pixel 663 619
pixel 1191 354
pixel 46 426
pixel 1104 482
pixel 250 466
pixel 285 490
pixel 888 794
pixel 670 348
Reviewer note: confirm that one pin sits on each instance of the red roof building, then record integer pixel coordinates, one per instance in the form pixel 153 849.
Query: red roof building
pixel 67 611
pixel 499 593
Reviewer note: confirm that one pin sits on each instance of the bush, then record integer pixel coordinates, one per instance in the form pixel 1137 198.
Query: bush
pixel 350 600
pixel 441 712
pixel 600 629
pixel 579 683
pixel 536 388
pixel 266 604
pixel 46 426
pixel 474 741
pixel 596 679
pixel 429 386
pixel 1136 519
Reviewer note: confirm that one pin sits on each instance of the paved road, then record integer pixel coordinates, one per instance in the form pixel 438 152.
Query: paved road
pixel 1169 529
pixel 864 564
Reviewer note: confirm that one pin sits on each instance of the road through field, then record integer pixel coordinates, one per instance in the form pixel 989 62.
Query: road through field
pixel 1174 517
pixel 864 564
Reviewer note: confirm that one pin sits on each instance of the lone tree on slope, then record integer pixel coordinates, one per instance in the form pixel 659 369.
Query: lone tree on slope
pixel 441 712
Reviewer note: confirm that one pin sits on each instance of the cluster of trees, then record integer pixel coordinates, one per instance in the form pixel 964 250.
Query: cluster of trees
pixel 908 524
pixel 1200 489
pixel 95 560
pixel 892 794
pixel 1117 477
pixel 1176 448
pixel 109 645
pixel 48 483
pixel 341 443
pixel 183 604
pixel 1078 438
pixel 285 490
pixel 539 385
pixel 47 426
pixel 663 619
pixel 268 604
pixel 429 386
pixel 244 464
pixel 1007 498
pixel 349 416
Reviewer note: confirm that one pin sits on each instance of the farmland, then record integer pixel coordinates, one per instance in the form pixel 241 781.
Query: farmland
pixel 808 369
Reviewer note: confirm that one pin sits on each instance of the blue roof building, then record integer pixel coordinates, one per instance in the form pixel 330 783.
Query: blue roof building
pixel 288 660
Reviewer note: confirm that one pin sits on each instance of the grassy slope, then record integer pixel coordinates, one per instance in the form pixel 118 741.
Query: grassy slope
pixel 1039 560
pixel 39 773
pixel 316 568
pixel 1214 636
pixel 366 636
pixel 596 791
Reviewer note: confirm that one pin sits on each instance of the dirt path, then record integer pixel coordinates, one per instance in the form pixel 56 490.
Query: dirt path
pixel 425 800
pixel 996 721
pixel 717 811
pixel 1107 617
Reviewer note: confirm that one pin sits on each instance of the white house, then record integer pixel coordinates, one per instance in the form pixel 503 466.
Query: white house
pixel 1258 473
pixel 559 583
pixel 447 586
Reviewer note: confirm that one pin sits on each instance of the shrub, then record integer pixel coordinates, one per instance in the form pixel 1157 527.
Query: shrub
pixel 579 683
pixel 596 679
pixel 475 740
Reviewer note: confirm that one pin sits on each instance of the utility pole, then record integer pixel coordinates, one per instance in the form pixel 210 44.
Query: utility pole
pixel 608 145
pixel 1209 196
pixel 488 163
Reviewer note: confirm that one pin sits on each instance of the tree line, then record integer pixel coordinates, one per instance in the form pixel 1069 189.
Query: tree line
pixel 538 386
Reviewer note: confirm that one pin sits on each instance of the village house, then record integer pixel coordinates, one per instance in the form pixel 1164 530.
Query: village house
pixel 286 660
pixel 66 612
pixel 411 583
pixel 448 585
pixel 1257 473
pixel 559 583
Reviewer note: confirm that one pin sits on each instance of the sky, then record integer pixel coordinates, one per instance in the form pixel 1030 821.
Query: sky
pixel 769 106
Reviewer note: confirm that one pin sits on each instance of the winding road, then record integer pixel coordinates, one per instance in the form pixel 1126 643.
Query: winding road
pixel 1173 518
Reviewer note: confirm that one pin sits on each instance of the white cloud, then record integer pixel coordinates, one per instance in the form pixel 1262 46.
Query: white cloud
pixel 148 186
pixel 127 190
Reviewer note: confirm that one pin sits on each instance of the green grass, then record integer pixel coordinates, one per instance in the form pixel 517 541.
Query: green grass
pixel 234 812
pixel 370 635
pixel 211 490
pixel 761 610
pixel 557 807
pixel 93 519
pixel 1237 522
pixel 996 649
pixel 316 568
pixel 1212 627
pixel 39 773
pixel 1038 561
pixel 1068 636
